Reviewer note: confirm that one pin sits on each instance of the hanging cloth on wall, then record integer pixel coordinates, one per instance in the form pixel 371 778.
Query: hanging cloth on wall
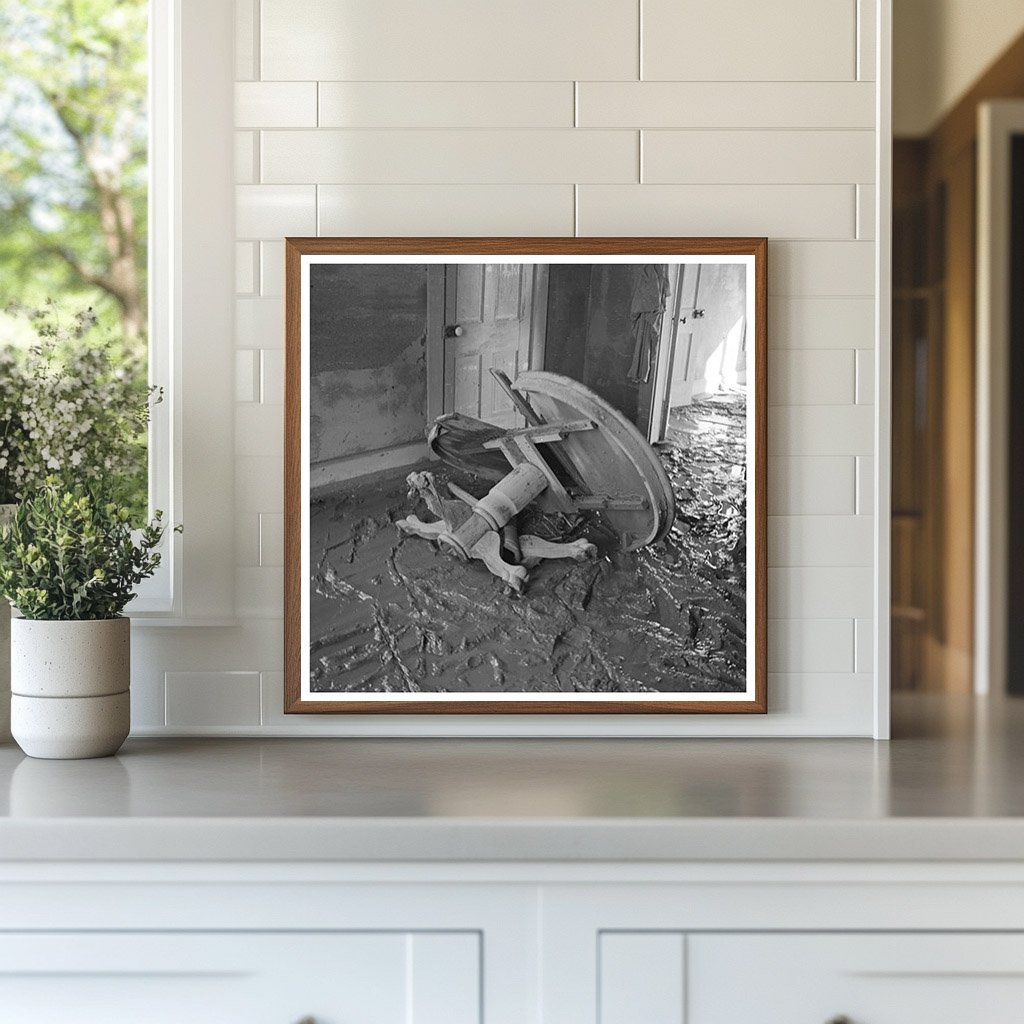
pixel 647 309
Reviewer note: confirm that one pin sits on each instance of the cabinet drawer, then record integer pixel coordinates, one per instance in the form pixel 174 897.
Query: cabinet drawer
pixel 865 978
pixel 241 978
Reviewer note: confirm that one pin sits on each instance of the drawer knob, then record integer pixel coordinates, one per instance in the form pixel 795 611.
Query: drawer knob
pixel 841 1019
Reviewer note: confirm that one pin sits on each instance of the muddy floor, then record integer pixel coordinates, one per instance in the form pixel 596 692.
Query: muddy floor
pixel 390 613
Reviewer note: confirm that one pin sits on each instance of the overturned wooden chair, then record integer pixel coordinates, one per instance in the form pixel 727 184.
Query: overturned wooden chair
pixel 575 454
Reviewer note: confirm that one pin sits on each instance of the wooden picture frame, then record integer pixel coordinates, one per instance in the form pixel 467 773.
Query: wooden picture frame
pixel 369 335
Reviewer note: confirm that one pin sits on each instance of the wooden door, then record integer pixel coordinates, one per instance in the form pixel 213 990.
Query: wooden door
pixel 493 318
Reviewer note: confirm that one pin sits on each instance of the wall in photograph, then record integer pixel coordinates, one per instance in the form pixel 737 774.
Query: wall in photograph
pixel 368 379
pixel 571 124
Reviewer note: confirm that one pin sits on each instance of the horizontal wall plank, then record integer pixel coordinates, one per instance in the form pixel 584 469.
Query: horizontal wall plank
pixel 271 211
pixel 246 375
pixel 820 540
pixel 865 485
pixel 448 40
pixel 757 157
pixel 246 170
pixel 821 430
pixel 212 698
pixel 246 48
pixel 259 429
pixel 739 41
pixel 446 210
pixel 828 592
pixel 271 267
pixel 811 645
pixel 821 268
pixel 847 323
pixel 449 157
pixel 865 376
pixel 726 105
pixel 245 268
pixel 866 210
pixel 259 484
pixel 271 536
pixel 275 104
pixel 778 211
pixel 815 486
pixel 259 323
pixel 867 25
pixel 811 377
pixel 260 591
pixel 271 376
pixel 447 105
pixel 864 650
pixel 830 703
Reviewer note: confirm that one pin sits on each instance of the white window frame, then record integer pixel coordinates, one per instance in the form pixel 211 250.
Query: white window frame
pixel 191 275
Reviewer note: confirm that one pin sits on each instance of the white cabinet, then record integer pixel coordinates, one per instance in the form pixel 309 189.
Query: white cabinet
pixel 241 978
pixel 869 979
pixel 672 978
pixel 508 943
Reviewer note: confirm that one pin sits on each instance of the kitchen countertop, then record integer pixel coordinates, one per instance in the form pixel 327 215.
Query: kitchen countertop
pixel 948 787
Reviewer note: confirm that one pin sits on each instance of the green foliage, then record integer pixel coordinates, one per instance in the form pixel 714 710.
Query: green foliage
pixel 71 554
pixel 73 155
pixel 75 408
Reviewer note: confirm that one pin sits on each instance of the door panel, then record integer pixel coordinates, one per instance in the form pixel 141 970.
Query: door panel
pixel 492 304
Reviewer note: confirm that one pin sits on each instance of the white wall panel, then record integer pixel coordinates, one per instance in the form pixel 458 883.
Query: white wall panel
pixel 246 159
pixel 259 429
pixel 737 40
pixel 811 377
pixel 271 268
pixel 867 26
pixel 447 105
pixel 821 268
pixel 259 323
pixel 245 268
pixel 457 118
pixel 726 105
pixel 270 211
pixel 864 645
pixel 826 592
pixel 441 157
pixel 780 211
pixel 821 323
pixel 757 157
pixel 811 486
pixel 448 40
pixel 821 430
pixel 820 540
pixel 207 699
pixel 865 377
pixel 811 645
pixel 865 485
pixel 446 209
pixel 275 104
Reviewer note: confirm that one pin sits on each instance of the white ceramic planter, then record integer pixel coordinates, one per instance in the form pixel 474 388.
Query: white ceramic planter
pixel 69 684
pixel 6 515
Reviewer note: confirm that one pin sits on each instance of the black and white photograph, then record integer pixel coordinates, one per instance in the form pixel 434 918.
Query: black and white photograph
pixel 525 482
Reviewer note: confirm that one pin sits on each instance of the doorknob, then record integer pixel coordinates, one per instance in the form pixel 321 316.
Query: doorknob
pixel 453 331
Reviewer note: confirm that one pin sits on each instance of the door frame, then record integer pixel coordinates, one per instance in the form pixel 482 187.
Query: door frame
pixel 998 122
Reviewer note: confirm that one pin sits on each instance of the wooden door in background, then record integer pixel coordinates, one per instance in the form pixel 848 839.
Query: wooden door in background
pixel 494 316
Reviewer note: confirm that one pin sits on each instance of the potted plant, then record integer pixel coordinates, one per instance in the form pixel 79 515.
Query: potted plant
pixel 69 563
pixel 68 406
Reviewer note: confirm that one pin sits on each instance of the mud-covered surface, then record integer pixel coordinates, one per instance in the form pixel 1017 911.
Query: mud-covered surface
pixel 391 613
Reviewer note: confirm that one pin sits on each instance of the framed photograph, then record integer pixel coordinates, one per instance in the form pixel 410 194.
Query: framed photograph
pixel 525 475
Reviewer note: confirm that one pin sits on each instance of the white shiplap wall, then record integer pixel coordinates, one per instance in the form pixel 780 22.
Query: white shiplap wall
pixel 555 117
